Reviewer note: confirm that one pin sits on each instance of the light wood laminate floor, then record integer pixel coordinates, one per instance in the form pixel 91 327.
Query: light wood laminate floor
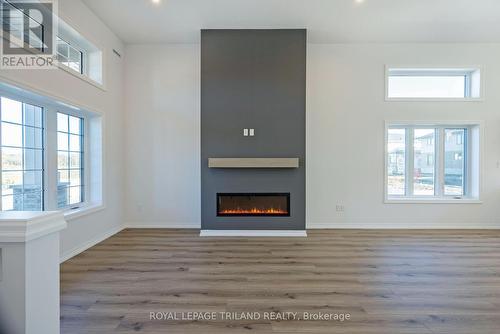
pixel 388 281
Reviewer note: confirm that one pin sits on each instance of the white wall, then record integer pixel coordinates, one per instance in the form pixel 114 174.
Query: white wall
pixel 346 111
pixel 345 142
pixel 83 231
pixel 163 136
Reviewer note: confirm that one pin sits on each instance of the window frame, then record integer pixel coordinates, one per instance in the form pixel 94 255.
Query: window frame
pixel 23 147
pixel 82 43
pixel 89 46
pixel 472 183
pixel 52 187
pixel 81 53
pixel 49 156
pixel 434 70
pixel 83 158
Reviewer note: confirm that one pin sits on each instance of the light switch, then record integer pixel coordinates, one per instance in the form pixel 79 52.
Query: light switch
pixel 252 132
pixel 245 132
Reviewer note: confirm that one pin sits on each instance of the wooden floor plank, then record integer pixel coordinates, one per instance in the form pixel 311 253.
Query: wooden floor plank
pixel 388 281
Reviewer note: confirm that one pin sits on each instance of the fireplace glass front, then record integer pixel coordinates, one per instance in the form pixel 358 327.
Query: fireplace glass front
pixel 253 205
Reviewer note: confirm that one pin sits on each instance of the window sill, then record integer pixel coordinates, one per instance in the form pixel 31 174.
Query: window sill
pixel 434 99
pixel 72 214
pixel 81 76
pixel 431 201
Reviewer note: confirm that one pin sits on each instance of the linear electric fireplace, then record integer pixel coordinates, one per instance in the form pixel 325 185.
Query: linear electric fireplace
pixel 253 205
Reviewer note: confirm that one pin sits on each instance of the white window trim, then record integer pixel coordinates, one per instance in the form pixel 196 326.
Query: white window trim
pixel 77 74
pixel 89 208
pixel 440 199
pixel 104 53
pixel 82 54
pixel 102 86
pixel 432 201
pixel 52 156
pixel 23 147
pixel 389 67
pixel 81 76
pixel 90 205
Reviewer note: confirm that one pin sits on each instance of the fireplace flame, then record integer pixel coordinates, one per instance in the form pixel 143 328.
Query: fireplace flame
pixel 253 211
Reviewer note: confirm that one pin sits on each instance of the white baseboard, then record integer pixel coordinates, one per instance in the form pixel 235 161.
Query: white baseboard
pixel 252 233
pixel 402 226
pixel 79 249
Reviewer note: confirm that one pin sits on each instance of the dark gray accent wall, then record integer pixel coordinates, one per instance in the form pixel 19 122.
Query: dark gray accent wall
pixel 253 79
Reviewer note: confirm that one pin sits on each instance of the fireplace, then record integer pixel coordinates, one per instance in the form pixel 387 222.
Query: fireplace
pixel 253 183
pixel 253 205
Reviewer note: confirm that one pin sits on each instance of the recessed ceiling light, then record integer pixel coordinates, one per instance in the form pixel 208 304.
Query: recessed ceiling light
pixel 359 1
pixel 156 2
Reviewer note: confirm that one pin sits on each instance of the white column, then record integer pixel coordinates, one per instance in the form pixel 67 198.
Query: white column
pixel 29 272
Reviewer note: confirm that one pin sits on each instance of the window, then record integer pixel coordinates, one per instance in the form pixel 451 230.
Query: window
pixel 421 83
pixel 22 156
pixel 396 148
pixel 51 154
pixel 69 160
pixel 69 56
pixel 454 162
pixel 78 55
pixel 74 52
pixel 424 149
pixel 432 161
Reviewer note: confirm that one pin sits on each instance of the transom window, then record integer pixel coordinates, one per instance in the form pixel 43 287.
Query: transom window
pixel 433 83
pixel 432 161
pixel 73 51
pixel 22 156
pixel 69 56
pixel 70 169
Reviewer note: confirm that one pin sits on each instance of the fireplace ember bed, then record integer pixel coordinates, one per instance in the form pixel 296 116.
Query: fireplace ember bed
pixel 253 205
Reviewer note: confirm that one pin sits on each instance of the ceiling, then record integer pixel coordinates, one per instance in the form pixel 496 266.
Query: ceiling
pixel 327 21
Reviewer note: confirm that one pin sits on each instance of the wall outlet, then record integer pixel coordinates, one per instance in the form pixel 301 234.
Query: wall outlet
pixel 245 132
pixel 340 208
pixel 252 132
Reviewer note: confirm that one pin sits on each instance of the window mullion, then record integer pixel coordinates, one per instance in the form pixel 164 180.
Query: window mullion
pixel 83 163
pixel 23 151
pixel 468 86
pixel 467 163
pixel 51 158
pixel 1 158
pixel 409 161
pixel 81 63
pixel 440 156
pixel 68 186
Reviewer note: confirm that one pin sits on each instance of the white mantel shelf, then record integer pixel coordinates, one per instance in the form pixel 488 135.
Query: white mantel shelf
pixel 22 226
pixel 253 163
